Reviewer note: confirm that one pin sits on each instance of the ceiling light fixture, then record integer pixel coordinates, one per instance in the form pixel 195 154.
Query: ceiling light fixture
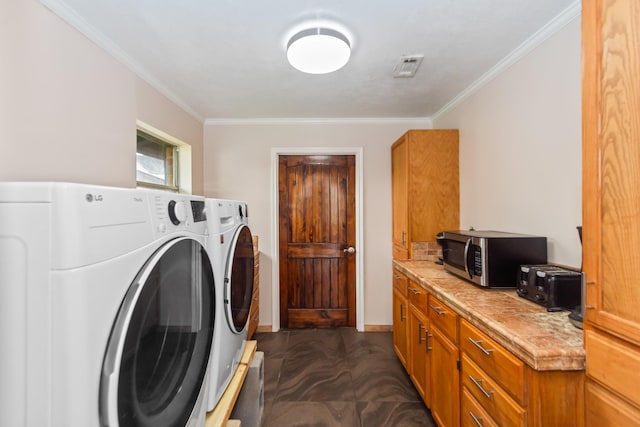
pixel 318 50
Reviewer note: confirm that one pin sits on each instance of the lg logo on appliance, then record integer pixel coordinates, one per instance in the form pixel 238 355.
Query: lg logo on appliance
pixel 91 197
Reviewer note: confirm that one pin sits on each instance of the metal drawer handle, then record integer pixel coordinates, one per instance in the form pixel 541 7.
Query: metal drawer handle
pixel 478 383
pixel 476 419
pixel 395 276
pixel 402 315
pixel 438 310
pixel 414 291
pixel 427 335
pixel 420 328
pixel 479 345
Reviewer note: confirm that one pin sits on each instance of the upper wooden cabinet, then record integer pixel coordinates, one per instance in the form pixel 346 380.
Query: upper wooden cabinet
pixel 611 205
pixel 425 187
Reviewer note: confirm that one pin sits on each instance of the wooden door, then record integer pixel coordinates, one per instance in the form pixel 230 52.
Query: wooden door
pixel 316 228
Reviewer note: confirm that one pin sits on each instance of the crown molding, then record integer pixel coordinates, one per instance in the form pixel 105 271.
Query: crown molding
pixel 552 27
pixel 72 17
pixel 60 8
pixel 328 120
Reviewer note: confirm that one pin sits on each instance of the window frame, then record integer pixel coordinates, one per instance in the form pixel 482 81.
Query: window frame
pixel 181 161
pixel 171 162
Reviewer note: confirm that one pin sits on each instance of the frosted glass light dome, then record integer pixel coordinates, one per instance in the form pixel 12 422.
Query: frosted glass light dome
pixel 318 51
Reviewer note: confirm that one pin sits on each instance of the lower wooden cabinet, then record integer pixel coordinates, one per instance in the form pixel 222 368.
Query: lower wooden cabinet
pixel 612 390
pixel 445 380
pixel 468 379
pixel 400 317
pixel 472 414
pixel 494 360
pixel 503 409
pixel 606 410
pixel 417 349
pixel 419 352
pixel 614 363
pixel 514 394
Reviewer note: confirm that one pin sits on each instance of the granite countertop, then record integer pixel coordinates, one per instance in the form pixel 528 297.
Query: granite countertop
pixel 544 340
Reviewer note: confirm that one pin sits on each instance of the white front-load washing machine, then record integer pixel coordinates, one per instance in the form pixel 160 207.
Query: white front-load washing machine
pixel 230 247
pixel 107 307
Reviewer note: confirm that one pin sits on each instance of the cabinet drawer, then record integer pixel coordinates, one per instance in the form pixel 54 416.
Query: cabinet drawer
pixel 473 414
pixel 417 296
pixel 498 404
pixel 613 363
pixel 604 409
pixel 400 282
pixel 493 359
pixel 444 318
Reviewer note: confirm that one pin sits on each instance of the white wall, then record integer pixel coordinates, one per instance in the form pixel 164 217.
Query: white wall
pixel 520 164
pixel 520 148
pixel 156 110
pixel 237 159
pixel 68 109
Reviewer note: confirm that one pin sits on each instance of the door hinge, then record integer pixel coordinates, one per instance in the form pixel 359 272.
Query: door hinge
pixel 459 365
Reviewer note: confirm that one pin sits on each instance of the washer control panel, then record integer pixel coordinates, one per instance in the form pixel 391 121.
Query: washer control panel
pixel 198 210
pixel 177 212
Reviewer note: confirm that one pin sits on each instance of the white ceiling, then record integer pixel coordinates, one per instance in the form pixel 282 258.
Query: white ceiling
pixel 225 59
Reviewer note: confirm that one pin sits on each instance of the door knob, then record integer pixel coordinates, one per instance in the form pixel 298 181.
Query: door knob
pixel 349 250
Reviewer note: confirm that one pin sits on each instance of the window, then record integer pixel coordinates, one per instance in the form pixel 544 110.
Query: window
pixel 156 162
pixel 162 161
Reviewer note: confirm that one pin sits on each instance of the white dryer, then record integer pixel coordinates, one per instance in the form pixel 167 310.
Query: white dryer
pixel 230 247
pixel 107 307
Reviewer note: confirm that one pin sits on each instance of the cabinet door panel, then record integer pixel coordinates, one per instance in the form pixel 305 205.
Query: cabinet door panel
pixel 400 328
pixel 425 187
pixel 418 352
pixel 434 190
pixel 611 155
pixel 606 410
pixel 445 380
pixel 400 203
pixel 614 364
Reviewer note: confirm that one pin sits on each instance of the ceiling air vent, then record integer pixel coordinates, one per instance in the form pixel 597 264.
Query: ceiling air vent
pixel 407 66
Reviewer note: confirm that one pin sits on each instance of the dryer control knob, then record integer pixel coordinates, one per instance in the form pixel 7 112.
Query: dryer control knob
pixel 177 212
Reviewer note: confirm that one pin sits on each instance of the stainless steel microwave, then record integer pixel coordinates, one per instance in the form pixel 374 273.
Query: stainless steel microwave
pixel 490 258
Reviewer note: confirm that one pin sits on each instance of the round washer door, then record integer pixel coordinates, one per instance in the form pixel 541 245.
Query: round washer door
pixel 157 355
pixel 238 280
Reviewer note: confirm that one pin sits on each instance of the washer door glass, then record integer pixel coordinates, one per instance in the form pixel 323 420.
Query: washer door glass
pixel 239 280
pixel 159 347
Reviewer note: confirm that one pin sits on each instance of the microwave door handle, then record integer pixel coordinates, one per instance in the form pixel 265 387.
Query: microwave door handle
pixel 466 259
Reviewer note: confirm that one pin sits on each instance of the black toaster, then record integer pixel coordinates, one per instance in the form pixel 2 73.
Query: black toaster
pixel 553 287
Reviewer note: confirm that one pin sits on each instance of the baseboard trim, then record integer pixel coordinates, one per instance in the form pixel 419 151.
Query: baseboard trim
pixel 367 328
pixel 378 328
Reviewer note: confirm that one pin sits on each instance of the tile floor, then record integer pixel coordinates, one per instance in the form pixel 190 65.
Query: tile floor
pixel 337 377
